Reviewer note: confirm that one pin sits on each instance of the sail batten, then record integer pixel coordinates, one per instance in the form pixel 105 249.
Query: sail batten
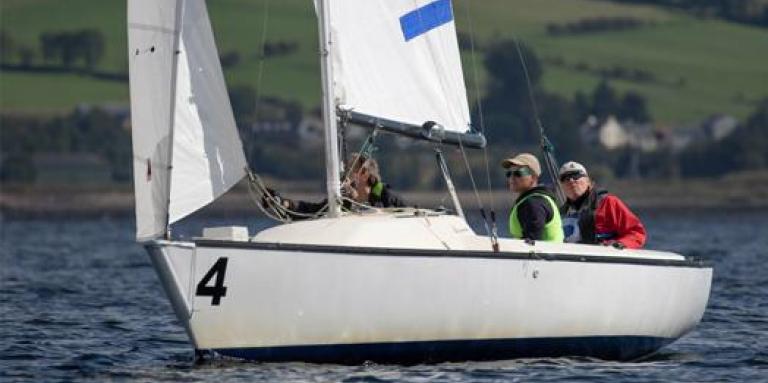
pixel 399 59
pixel 187 151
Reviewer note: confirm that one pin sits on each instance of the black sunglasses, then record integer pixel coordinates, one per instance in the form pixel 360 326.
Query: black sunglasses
pixel 571 177
pixel 521 172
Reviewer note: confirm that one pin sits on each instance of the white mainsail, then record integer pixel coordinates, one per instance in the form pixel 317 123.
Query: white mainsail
pixel 399 59
pixel 180 111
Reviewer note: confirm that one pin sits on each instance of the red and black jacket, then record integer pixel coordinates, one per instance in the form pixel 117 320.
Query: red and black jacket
pixel 603 218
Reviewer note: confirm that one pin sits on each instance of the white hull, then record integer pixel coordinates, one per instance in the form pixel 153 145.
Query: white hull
pixel 450 298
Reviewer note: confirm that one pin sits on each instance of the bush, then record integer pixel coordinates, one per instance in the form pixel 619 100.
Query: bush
pixel 595 24
pixel 17 168
pixel 229 59
pixel 279 48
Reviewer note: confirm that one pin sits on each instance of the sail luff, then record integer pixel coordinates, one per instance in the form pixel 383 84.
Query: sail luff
pixel 151 35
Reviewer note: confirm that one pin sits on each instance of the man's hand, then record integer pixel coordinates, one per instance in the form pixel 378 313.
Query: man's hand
pixel 348 190
pixel 271 196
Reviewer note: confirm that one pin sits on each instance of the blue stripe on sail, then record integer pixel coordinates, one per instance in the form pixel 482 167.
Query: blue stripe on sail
pixel 603 347
pixel 426 18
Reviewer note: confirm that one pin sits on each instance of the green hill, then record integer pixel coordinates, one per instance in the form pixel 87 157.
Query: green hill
pixel 698 66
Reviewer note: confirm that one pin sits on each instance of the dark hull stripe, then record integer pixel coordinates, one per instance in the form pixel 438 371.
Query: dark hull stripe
pixel 603 347
pixel 374 251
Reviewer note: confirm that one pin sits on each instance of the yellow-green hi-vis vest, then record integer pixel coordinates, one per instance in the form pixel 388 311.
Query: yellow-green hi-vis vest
pixel 553 230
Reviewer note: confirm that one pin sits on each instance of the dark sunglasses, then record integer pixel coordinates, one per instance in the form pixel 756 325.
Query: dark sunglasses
pixel 571 177
pixel 522 172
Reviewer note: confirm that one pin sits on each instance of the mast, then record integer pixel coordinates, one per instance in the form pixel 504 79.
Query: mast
pixel 332 171
pixel 172 121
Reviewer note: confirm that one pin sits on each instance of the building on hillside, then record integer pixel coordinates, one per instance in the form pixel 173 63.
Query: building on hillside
pixel 611 134
pixel 719 126
pixel 310 132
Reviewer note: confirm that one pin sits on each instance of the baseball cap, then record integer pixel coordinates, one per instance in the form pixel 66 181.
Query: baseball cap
pixel 524 159
pixel 573 167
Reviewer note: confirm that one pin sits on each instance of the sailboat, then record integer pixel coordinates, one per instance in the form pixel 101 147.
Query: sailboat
pixel 404 286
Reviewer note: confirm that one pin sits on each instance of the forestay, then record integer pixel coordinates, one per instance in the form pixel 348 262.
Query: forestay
pixel 179 98
pixel 399 59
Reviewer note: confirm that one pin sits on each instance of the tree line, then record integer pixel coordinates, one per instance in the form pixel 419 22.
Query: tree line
pixel 595 24
pixel 754 12
pixel 510 111
pixel 93 132
pixel 64 49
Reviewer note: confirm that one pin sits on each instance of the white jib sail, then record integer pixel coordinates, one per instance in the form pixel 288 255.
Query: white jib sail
pixel 207 154
pixel 151 39
pixel 399 59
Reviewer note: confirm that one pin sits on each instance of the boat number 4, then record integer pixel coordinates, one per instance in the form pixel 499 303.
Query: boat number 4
pixel 218 289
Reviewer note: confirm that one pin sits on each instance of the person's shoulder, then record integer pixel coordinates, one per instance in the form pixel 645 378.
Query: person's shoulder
pixel 613 198
pixel 541 196
pixel 611 201
pixel 542 191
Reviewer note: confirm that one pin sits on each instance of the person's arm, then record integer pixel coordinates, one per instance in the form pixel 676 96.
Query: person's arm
pixel 534 214
pixel 389 199
pixel 613 216
pixel 305 207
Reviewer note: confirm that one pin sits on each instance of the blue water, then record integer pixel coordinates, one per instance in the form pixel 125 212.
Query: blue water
pixel 79 301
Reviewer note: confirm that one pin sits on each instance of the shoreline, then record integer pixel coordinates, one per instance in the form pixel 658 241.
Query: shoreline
pixel 737 192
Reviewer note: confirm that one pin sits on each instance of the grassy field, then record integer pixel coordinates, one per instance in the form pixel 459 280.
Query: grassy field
pixel 702 66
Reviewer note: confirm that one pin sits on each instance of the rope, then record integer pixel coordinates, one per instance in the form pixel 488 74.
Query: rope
pixel 366 150
pixel 259 192
pixel 360 206
pixel 275 210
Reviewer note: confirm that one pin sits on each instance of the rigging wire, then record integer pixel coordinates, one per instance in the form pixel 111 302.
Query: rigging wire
pixel 546 145
pixel 259 73
pixel 493 231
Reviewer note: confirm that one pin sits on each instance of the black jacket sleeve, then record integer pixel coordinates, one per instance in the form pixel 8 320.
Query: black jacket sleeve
pixel 386 199
pixel 305 207
pixel 534 214
pixel 389 199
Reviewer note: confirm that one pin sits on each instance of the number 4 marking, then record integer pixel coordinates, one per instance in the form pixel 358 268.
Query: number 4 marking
pixel 218 290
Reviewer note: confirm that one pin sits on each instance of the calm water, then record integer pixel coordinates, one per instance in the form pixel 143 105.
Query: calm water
pixel 80 301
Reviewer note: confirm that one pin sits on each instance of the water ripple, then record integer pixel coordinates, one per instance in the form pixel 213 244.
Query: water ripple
pixel 80 302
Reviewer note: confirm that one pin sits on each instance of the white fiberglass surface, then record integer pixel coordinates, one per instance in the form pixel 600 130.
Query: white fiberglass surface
pixel 408 229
